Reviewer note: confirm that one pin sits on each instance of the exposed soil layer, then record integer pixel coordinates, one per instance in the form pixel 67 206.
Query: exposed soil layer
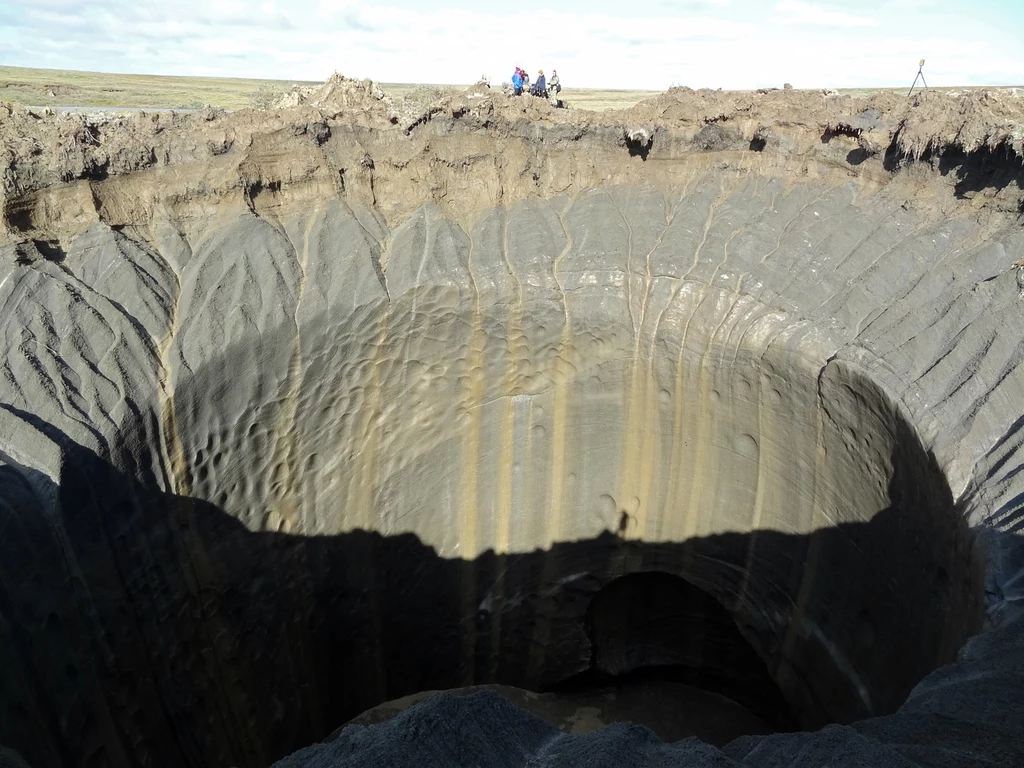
pixel 310 409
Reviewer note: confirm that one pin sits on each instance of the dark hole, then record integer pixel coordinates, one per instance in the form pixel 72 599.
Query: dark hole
pixel 857 156
pixel 894 157
pixel 654 626
pixel 638 147
pixel 96 170
pixel 839 130
pixel 984 168
pixel 19 218
pixel 258 187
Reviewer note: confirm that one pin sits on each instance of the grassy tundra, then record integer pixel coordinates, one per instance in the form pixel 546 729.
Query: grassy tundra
pixel 70 88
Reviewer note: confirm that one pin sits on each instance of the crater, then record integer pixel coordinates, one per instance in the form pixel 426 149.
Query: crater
pixel 399 550
pixel 279 456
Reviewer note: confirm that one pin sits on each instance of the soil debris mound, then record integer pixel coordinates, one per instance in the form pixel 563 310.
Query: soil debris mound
pixel 929 123
pixel 340 95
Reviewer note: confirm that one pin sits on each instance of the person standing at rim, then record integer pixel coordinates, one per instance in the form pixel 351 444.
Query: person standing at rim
pixel 554 86
pixel 526 80
pixel 517 82
pixel 540 87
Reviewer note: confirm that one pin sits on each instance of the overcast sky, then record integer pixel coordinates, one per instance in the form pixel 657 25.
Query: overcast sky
pixel 592 43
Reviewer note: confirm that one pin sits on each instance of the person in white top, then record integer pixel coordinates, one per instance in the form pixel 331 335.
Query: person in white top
pixel 554 86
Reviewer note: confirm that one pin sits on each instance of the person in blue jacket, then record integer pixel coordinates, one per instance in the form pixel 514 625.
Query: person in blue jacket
pixel 540 87
pixel 517 82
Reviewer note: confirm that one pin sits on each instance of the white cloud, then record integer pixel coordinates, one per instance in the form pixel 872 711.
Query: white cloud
pixel 812 14
pixel 702 43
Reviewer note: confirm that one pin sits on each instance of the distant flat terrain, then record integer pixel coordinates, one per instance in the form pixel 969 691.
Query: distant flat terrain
pixel 72 88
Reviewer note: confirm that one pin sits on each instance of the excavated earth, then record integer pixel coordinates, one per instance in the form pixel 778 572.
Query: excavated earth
pixel 684 435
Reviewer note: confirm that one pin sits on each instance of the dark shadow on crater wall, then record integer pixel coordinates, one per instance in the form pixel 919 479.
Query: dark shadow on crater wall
pixel 857 156
pixel 654 626
pixel 985 168
pixel 140 628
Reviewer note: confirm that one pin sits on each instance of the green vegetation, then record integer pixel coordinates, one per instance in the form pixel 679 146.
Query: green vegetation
pixel 70 88
pixel 265 96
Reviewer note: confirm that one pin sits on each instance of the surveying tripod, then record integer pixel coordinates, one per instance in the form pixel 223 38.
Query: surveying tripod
pixel 920 76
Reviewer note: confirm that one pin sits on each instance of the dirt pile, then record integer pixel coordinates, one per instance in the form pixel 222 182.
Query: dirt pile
pixel 968 121
pixel 927 125
pixel 941 128
pixel 340 95
pixel 366 103
pixel 443 143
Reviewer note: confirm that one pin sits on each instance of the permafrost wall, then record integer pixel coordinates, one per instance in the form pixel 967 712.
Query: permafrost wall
pixel 298 416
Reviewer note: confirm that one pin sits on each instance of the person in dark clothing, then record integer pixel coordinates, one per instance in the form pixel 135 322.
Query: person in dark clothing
pixel 540 87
